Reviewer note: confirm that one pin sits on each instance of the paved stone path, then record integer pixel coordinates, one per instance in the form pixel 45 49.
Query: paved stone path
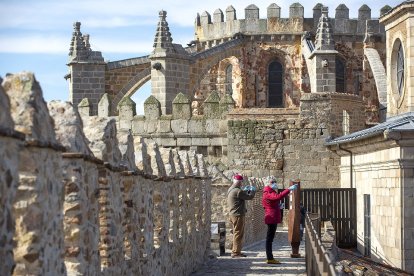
pixel 255 262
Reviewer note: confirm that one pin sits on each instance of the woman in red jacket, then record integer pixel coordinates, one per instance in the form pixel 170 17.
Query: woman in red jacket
pixel 270 201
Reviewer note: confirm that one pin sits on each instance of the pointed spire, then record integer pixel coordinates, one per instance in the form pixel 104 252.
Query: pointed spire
pixel 163 39
pixel 78 50
pixel 324 38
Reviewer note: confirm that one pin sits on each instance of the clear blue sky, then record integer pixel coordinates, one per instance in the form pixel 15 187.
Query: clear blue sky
pixel 35 34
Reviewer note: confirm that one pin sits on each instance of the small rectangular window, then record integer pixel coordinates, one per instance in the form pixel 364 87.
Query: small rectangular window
pixel 345 122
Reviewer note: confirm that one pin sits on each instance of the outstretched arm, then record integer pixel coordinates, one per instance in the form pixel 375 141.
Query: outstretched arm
pixel 246 195
pixel 277 196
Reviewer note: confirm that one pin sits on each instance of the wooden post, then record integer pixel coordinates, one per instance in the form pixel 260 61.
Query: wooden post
pixel 294 219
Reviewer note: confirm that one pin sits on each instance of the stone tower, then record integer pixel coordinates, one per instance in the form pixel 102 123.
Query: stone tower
pixel 324 56
pixel 169 67
pixel 86 71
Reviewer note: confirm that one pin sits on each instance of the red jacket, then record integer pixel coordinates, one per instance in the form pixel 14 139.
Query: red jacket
pixel 270 202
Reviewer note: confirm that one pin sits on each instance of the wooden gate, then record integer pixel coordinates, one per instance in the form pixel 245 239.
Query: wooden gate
pixel 337 205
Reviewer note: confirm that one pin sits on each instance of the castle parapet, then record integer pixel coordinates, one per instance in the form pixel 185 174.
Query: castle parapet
pixel 90 216
pixel 218 29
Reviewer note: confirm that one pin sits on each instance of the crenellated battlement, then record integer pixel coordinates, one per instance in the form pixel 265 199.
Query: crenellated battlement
pixel 81 197
pixel 221 25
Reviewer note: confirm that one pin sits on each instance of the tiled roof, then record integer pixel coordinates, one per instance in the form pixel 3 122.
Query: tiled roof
pixel 400 123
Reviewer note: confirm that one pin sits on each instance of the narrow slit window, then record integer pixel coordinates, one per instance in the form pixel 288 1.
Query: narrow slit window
pixel 229 80
pixel 340 75
pixel 345 122
pixel 275 94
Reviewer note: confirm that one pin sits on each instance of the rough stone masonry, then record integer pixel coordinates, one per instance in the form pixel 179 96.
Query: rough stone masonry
pixel 77 197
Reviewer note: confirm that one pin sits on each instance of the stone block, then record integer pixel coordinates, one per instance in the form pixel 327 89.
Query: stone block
pixel 6 120
pixel 150 126
pixel 138 125
pixel 101 134
pixel 104 106
pixel 28 108
pixel 164 126
pixel 84 108
pixel 183 142
pixel 167 142
pixel 152 108
pixel 205 18
pixel 212 126
pixel 181 107
pixel 212 106
pixel 218 16
pixel 273 11
pixel 317 12
pixel 196 126
pixel 296 11
pixel 69 127
pixel 218 141
pixel 341 12
pixel 364 13
pixel 179 126
pixel 126 109
pixel 125 124
pixel 200 141
pixel 230 13
pixel 251 12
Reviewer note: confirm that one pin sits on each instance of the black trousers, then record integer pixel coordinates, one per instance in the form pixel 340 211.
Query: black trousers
pixel 271 231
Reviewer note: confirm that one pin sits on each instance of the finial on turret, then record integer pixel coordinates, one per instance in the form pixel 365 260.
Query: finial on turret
pixel 76 26
pixel 163 39
pixel 162 14
pixel 324 37
pixel 78 50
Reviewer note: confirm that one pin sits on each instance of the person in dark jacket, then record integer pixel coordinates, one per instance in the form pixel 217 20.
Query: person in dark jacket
pixel 270 201
pixel 236 198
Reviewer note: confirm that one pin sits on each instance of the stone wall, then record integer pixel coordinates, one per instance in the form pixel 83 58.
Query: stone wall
pixel 10 143
pixel 287 143
pixel 384 172
pixel 37 207
pixel 73 199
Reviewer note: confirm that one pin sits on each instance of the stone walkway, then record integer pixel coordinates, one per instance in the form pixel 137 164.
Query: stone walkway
pixel 255 262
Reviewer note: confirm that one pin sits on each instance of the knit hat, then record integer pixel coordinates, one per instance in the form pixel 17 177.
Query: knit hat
pixel 237 177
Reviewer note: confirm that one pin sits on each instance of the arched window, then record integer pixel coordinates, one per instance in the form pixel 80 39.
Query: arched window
pixel 275 95
pixel 229 80
pixel 400 69
pixel 340 75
